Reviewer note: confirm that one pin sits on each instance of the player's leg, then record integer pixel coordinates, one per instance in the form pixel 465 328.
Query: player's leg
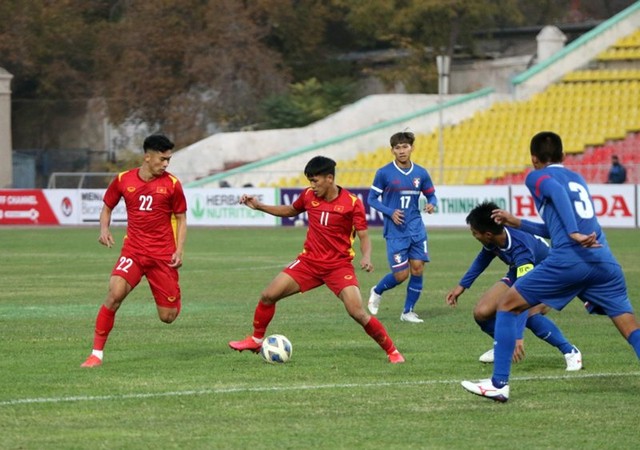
pixel 627 324
pixel 283 285
pixel 546 330
pixel 119 288
pixel 164 282
pixel 510 305
pixel 344 284
pixel 418 256
pixel 607 292
pixel 398 259
pixel 484 313
pixel 414 289
pixel 352 300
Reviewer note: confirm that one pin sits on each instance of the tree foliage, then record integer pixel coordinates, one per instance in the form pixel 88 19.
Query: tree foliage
pixel 182 65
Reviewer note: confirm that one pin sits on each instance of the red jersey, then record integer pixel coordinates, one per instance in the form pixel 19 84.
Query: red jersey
pixel 150 206
pixel 332 226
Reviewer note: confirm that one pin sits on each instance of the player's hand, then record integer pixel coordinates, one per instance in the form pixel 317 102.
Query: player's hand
pixel 106 239
pixel 429 208
pixel 518 352
pixel 589 241
pixel 452 296
pixel 248 200
pixel 502 217
pixel 366 264
pixel 398 217
pixel 176 260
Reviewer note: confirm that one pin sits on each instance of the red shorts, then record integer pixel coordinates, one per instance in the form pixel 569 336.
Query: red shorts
pixel 163 280
pixel 310 275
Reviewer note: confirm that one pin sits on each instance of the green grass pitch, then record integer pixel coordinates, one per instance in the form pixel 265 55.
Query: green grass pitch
pixel 180 387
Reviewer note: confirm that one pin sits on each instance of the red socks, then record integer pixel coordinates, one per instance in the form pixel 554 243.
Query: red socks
pixel 104 324
pixel 376 330
pixel 261 319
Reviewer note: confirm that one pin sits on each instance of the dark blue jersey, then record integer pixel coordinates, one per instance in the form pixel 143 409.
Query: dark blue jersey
pixel 521 253
pixel 565 205
pixel 401 189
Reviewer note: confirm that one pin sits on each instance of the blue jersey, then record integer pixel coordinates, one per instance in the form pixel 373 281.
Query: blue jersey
pixel 401 189
pixel 565 205
pixel 521 253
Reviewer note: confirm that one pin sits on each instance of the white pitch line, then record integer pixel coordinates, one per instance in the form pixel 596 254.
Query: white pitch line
pixel 230 390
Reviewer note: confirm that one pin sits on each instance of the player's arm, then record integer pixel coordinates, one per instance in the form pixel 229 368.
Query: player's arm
pixel 550 188
pixel 479 264
pixel 506 218
pixel 365 249
pixel 181 237
pixel 373 199
pixel 429 191
pixel 275 210
pixel 105 237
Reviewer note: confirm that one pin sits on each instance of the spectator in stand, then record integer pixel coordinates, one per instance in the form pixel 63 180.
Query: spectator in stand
pixel 617 172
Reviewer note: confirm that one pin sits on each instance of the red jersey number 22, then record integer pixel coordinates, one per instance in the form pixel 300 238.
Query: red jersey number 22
pixel 145 202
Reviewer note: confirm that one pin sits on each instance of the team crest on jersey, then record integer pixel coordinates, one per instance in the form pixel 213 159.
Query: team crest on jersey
pixel 416 182
pixel 397 258
pixel 131 188
pixel 338 208
pixel 161 190
pixel 315 203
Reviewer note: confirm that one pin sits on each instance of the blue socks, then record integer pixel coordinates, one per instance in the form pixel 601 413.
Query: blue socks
pixel 387 282
pixel 546 329
pixel 505 344
pixel 414 289
pixel 634 341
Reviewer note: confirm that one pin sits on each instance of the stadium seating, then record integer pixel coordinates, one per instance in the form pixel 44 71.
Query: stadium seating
pixel 596 111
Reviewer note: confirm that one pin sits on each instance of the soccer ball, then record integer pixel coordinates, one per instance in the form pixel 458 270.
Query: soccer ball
pixel 276 349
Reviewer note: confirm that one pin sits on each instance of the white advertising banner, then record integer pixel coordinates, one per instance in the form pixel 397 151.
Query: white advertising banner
pixel 455 203
pixel 91 205
pixel 614 204
pixel 221 207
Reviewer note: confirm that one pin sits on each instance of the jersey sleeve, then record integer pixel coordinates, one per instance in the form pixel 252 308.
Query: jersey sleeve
pixel 113 193
pixel 546 187
pixel 299 203
pixel 377 188
pixel 179 203
pixel 478 266
pixel 429 190
pixel 359 215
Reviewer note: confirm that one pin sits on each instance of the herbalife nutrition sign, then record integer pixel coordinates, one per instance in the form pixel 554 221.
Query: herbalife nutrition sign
pixel 221 207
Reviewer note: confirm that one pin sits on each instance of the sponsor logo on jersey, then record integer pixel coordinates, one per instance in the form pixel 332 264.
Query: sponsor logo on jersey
pixel 348 277
pixel 315 203
pixel 131 188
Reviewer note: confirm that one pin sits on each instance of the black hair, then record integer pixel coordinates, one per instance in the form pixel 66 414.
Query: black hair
pixel 320 165
pixel 547 147
pixel 157 142
pixel 402 137
pixel 480 218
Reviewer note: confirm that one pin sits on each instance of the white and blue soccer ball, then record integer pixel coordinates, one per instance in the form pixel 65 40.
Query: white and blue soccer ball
pixel 276 349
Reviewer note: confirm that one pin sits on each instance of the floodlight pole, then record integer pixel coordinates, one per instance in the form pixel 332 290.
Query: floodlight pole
pixel 443 63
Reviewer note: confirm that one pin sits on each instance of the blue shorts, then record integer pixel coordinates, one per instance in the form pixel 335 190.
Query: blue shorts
pixel 401 250
pixel 601 286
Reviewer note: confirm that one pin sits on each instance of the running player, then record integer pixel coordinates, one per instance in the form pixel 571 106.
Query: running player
pixel 520 251
pixel 580 263
pixel 400 184
pixel 335 217
pixel 152 246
